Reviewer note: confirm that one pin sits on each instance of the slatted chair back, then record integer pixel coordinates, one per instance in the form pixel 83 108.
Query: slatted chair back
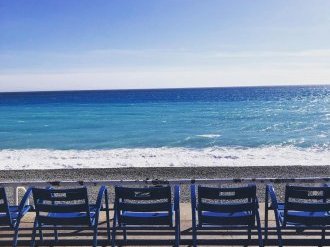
pixel 5 218
pixel 71 204
pixel 307 205
pixel 155 200
pixel 240 202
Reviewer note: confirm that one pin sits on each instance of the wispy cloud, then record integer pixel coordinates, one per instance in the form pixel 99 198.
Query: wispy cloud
pixel 165 53
pixel 162 78
pixel 32 62
pixel 111 68
pixel 324 53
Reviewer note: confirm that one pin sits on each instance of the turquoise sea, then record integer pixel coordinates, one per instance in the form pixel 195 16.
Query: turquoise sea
pixel 250 120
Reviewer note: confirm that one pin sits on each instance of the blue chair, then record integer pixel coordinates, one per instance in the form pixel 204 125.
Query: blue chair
pixel 148 208
pixel 10 216
pixel 304 207
pixel 58 209
pixel 216 208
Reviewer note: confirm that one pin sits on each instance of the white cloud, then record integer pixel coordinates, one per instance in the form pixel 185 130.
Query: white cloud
pixel 166 69
pixel 163 78
pixel 322 53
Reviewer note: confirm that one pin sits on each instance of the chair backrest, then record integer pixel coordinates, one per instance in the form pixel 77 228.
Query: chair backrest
pixel 71 204
pixel 238 202
pixel 307 205
pixel 5 218
pixel 144 200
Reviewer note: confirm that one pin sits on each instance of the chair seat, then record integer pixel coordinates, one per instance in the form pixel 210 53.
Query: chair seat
pixel 221 214
pixel 145 215
pixel 145 218
pixel 223 218
pixel 280 206
pixel 70 215
pixel 14 212
pixel 92 209
pixel 307 218
pixel 74 218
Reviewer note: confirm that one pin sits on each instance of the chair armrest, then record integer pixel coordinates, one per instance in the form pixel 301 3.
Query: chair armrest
pixel 193 204
pixel 193 197
pixel 102 192
pixel 274 203
pixel 176 197
pixel 22 204
pixel 100 195
pixel 273 198
pixel 24 199
pixel 177 204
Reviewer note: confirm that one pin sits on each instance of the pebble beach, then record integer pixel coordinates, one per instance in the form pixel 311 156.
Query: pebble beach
pixel 166 173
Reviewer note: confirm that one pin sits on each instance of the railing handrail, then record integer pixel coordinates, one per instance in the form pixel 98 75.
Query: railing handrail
pixel 170 181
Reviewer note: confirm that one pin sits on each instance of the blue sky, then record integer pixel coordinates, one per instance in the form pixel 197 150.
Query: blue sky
pixel 111 44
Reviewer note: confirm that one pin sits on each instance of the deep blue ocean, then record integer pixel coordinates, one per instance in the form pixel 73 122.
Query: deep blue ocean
pixel 192 118
pixel 252 126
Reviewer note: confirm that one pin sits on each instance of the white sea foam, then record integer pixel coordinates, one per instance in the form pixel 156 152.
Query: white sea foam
pixel 209 135
pixel 162 157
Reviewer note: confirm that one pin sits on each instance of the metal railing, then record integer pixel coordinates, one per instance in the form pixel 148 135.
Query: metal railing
pixel 24 184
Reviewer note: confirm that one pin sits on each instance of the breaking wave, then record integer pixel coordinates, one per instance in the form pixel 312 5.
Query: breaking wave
pixel 17 159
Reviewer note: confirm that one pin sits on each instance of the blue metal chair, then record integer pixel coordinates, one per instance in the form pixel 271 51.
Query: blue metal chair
pixel 225 208
pixel 148 208
pixel 304 207
pixel 10 216
pixel 58 209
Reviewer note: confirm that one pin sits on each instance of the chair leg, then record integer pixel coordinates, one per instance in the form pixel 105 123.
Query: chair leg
pixel 113 237
pixel 41 235
pixel 125 235
pixel 266 228
pixel 249 237
pixel 323 237
pixel 95 237
pixel 108 225
pixel 34 232
pixel 15 237
pixel 260 240
pixel 56 235
pixel 279 237
pixel 177 236
pixel 194 236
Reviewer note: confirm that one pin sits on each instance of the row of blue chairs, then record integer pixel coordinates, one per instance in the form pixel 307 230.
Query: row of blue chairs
pixel 158 208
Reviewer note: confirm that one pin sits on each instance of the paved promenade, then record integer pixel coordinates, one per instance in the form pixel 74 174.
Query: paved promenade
pixel 137 238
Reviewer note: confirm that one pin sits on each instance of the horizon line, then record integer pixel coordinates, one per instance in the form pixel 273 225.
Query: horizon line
pixel 167 88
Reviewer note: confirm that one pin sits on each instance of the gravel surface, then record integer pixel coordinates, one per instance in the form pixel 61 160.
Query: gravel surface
pixel 167 173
